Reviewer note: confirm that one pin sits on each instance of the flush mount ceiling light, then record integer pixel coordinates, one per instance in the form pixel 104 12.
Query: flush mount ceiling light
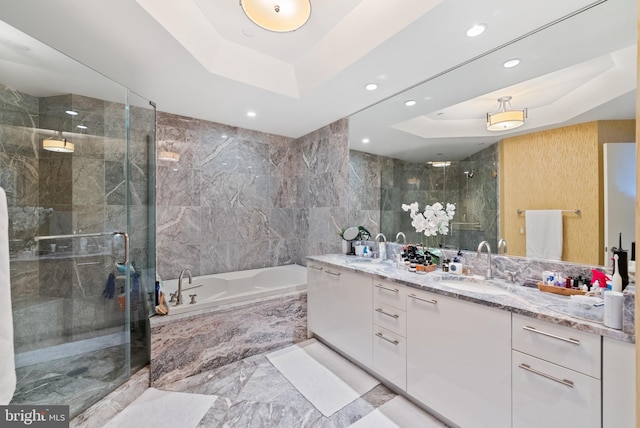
pixel 371 86
pixel 280 16
pixel 169 156
pixel 410 103
pixel 506 117
pixel 439 164
pixel 58 144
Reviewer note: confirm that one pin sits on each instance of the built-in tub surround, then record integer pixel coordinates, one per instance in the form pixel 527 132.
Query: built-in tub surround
pixel 239 199
pixel 224 288
pixel 188 344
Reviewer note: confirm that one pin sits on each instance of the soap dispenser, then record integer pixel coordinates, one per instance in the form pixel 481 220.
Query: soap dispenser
pixel 616 281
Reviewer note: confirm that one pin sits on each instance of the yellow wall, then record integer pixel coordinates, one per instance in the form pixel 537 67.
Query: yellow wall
pixel 559 169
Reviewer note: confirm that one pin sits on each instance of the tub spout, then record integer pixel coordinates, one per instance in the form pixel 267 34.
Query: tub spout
pixel 179 292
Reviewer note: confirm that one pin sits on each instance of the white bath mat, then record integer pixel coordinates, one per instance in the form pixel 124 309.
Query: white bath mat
pixel 327 380
pixel 155 408
pixel 398 413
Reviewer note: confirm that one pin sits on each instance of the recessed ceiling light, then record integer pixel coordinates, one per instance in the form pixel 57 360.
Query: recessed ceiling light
pixel 511 63
pixel 251 113
pixel 223 136
pixel 365 140
pixel 371 86
pixel 410 103
pixel 476 29
pixel 82 127
pixel 71 112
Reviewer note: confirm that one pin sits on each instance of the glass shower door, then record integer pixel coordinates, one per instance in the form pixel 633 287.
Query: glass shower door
pixel 76 162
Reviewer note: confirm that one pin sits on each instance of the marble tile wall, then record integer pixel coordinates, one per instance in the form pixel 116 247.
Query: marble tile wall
pixel 239 199
pixel 188 345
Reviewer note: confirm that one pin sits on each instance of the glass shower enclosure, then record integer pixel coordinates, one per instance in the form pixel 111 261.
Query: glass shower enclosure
pixel 77 162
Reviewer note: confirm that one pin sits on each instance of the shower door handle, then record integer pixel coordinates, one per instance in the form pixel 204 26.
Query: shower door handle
pixel 126 246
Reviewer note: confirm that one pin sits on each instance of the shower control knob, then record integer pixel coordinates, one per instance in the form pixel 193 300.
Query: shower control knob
pixel 193 298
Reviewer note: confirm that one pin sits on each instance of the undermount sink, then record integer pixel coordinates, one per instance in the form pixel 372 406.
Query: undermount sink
pixel 473 286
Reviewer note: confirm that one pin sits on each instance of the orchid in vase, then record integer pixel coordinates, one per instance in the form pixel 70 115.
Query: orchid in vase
pixel 433 220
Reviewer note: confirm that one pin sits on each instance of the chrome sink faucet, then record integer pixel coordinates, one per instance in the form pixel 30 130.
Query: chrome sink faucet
pixel 382 251
pixel 502 244
pixel 489 270
pixel 179 292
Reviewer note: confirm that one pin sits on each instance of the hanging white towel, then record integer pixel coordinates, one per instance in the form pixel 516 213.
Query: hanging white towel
pixel 544 234
pixel 7 363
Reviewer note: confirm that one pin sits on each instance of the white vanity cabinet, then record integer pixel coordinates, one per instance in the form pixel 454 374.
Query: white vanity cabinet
pixel 339 310
pixel 618 384
pixel 459 359
pixel 556 372
pixel 390 331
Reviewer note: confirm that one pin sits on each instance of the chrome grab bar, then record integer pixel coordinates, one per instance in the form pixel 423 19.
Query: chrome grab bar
pixel 544 333
pixel 396 316
pixel 380 335
pixel 565 382
pixel 393 290
pixel 413 296
pixel 92 235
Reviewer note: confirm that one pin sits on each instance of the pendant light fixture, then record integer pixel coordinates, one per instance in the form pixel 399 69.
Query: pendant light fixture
pixel 506 117
pixel 58 144
pixel 277 15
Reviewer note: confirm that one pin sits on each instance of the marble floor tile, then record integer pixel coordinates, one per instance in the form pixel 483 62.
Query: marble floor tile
pixel 252 393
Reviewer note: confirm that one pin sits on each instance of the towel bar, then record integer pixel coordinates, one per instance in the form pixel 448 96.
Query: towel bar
pixel 575 211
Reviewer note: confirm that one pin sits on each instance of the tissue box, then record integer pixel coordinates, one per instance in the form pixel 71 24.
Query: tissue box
pixel 455 268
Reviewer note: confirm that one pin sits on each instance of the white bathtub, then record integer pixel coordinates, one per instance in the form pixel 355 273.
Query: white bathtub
pixel 232 287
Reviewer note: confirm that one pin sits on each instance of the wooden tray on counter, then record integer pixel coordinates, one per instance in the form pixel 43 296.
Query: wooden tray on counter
pixel 560 290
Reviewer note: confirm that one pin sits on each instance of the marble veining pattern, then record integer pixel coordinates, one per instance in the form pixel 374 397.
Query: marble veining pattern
pixel 186 346
pixel 251 393
pixel 520 299
pixel 253 190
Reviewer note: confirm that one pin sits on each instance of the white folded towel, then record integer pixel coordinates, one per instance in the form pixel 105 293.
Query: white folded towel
pixel 544 234
pixel 7 363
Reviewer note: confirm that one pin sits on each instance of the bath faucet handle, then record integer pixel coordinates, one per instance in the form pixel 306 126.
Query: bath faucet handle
pixel 510 275
pixel 172 297
pixel 193 298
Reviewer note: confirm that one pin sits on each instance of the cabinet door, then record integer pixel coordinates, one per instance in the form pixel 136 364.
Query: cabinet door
pixel 318 300
pixel 340 305
pixel 459 359
pixel 551 396
pixel 618 384
pixel 390 356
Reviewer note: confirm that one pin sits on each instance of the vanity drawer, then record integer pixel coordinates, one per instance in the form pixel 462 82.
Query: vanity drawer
pixel 390 356
pixel 390 293
pixel 551 396
pixel 390 318
pixel 565 346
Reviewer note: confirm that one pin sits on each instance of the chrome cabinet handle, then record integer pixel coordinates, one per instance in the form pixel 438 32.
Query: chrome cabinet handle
pixel 381 336
pixel 528 368
pixel 413 296
pixel 126 246
pixel 332 273
pixel 315 267
pixel 544 333
pixel 396 316
pixel 393 290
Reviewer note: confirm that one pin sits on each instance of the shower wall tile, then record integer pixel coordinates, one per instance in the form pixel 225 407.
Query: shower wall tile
pixel 219 225
pixel 88 181
pixel 178 186
pixel 114 183
pixel 222 257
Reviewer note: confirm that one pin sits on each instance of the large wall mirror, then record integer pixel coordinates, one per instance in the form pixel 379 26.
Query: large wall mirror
pixel 576 79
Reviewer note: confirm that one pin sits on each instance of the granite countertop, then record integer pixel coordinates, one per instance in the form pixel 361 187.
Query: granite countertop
pixel 518 299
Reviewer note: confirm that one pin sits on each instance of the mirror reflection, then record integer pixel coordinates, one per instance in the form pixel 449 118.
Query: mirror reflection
pixel 576 80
